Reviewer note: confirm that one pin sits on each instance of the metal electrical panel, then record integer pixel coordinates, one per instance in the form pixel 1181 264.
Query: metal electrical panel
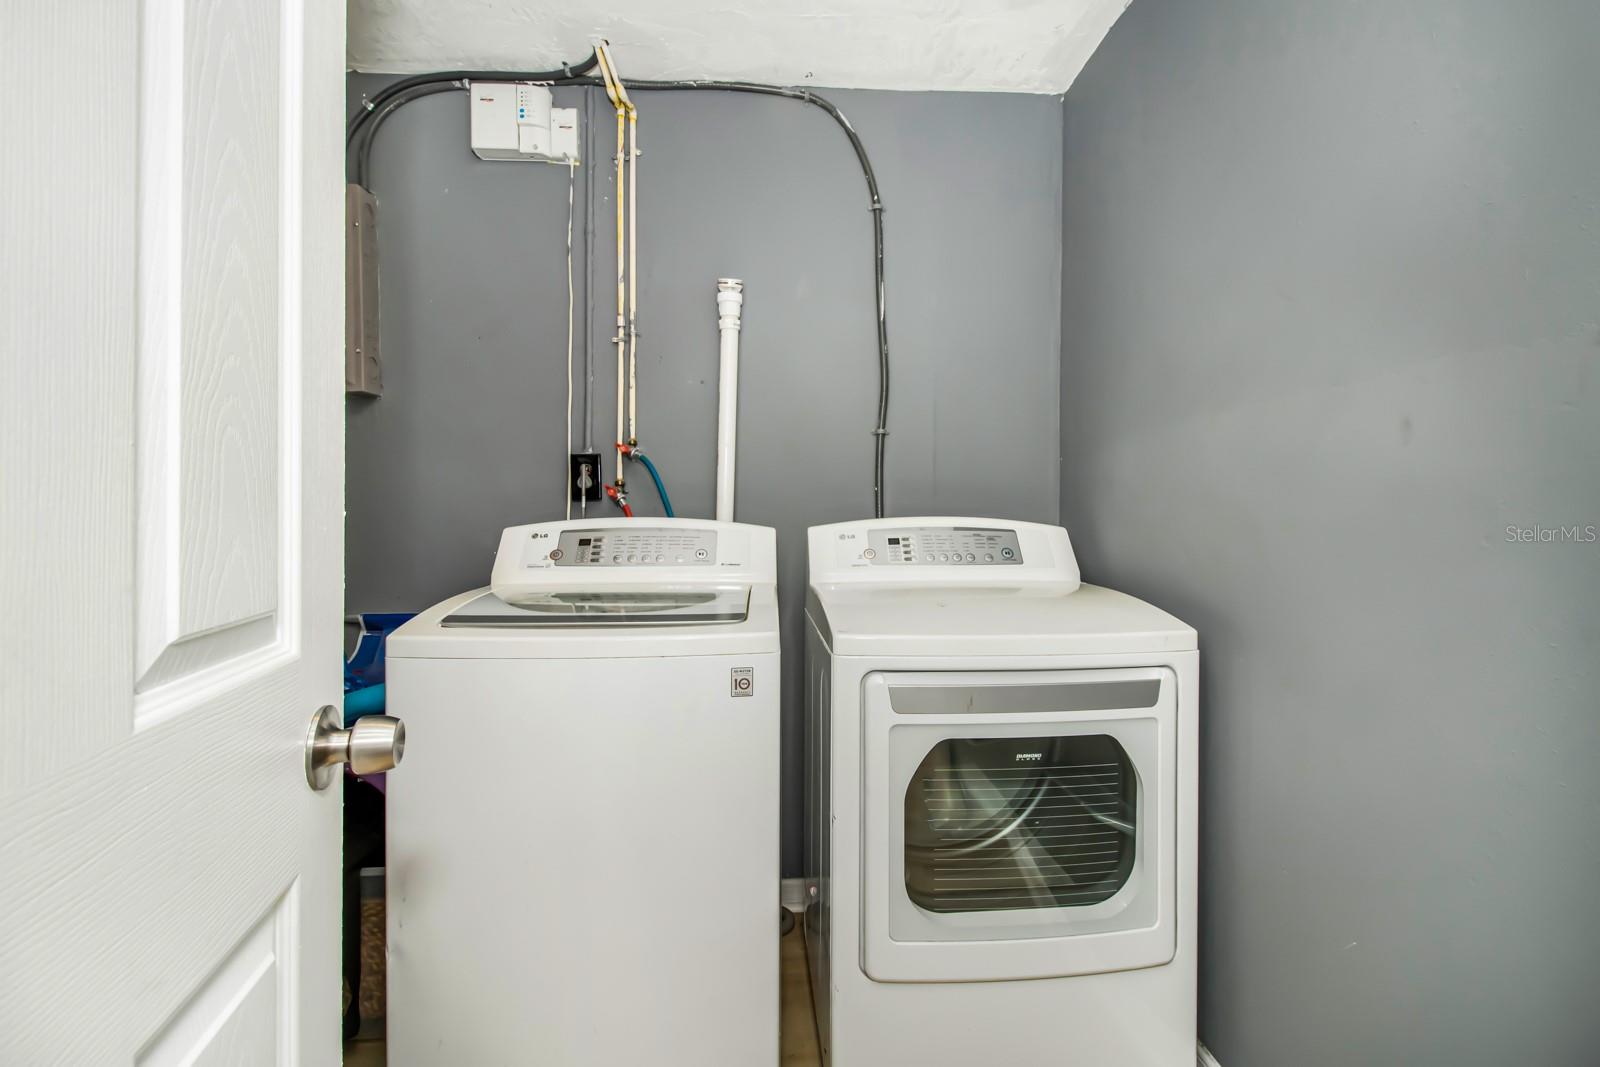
pixel 363 372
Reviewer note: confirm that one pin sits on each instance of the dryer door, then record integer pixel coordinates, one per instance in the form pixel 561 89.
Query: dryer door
pixel 1018 824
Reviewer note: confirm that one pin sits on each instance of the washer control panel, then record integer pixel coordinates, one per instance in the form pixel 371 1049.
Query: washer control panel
pixel 943 546
pixel 635 546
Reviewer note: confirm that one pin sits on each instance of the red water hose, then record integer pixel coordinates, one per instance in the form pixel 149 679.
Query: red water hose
pixel 620 499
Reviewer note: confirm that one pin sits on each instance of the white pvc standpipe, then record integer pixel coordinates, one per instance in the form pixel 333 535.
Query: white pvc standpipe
pixel 730 298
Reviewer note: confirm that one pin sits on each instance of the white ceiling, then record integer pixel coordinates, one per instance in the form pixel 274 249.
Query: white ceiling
pixel 1030 46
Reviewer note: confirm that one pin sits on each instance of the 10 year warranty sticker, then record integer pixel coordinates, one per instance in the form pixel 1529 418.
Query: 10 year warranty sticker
pixel 743 681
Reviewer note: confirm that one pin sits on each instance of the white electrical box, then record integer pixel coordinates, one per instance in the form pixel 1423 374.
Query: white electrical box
pixel 514 120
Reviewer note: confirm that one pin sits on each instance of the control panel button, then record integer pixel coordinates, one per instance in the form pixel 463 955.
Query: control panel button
pixel 556 554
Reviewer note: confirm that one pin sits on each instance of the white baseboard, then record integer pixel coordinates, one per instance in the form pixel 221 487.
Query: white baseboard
pixel 1203 1057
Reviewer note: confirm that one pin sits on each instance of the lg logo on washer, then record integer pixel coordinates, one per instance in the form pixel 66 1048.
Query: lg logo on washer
pixel 1029 757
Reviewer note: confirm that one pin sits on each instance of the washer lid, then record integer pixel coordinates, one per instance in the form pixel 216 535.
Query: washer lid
pixel 660 607
pixel 479 625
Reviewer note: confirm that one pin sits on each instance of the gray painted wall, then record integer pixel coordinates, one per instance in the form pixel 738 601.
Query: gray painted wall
pixel 468 438
pixel 1332 323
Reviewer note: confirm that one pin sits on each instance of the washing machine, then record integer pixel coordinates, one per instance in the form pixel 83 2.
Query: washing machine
pixel 582 864
pixel 1001 803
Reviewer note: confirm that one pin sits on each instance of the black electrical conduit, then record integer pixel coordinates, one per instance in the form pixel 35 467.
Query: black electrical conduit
pixel 383 104
pixel 394 89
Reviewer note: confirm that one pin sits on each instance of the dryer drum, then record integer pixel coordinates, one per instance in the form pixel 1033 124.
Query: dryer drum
pixel 995 824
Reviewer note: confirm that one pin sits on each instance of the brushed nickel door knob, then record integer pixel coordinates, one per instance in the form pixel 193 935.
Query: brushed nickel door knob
pixel 374 744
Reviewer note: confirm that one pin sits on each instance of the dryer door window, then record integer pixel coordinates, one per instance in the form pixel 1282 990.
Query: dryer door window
pixel 1006 823
pixel 1018 824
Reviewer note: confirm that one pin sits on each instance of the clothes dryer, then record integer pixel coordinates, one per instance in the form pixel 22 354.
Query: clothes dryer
pixel 1001 799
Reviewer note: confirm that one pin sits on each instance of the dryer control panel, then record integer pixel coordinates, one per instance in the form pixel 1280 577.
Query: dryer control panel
pixel 960 546
pixel 942 552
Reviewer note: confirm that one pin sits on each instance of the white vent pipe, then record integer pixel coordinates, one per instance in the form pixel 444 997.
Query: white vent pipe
pixel 730 298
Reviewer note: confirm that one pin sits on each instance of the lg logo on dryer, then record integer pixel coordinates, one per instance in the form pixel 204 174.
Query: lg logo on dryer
pixel 1029 757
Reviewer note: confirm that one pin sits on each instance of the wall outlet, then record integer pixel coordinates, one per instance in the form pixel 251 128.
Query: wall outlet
pixel 583 475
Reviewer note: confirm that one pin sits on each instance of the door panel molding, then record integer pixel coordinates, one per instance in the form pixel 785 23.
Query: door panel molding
pixel 236 1017
pixel 219 345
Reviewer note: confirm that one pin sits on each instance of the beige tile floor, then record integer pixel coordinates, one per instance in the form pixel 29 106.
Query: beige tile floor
pixel 798 1027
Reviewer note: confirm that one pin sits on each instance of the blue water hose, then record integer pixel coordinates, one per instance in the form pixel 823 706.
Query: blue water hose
pixel 367 701
pixel 655 476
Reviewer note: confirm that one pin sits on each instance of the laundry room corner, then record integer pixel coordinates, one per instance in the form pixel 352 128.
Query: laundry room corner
pixel 465 439
pixel 1043 533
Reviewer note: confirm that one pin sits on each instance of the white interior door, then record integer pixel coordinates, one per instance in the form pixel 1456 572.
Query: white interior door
pixel 170 518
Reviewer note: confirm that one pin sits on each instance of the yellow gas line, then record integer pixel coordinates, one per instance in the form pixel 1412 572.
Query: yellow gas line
pixel 633 273
pixel 615 92
pixel 624 102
